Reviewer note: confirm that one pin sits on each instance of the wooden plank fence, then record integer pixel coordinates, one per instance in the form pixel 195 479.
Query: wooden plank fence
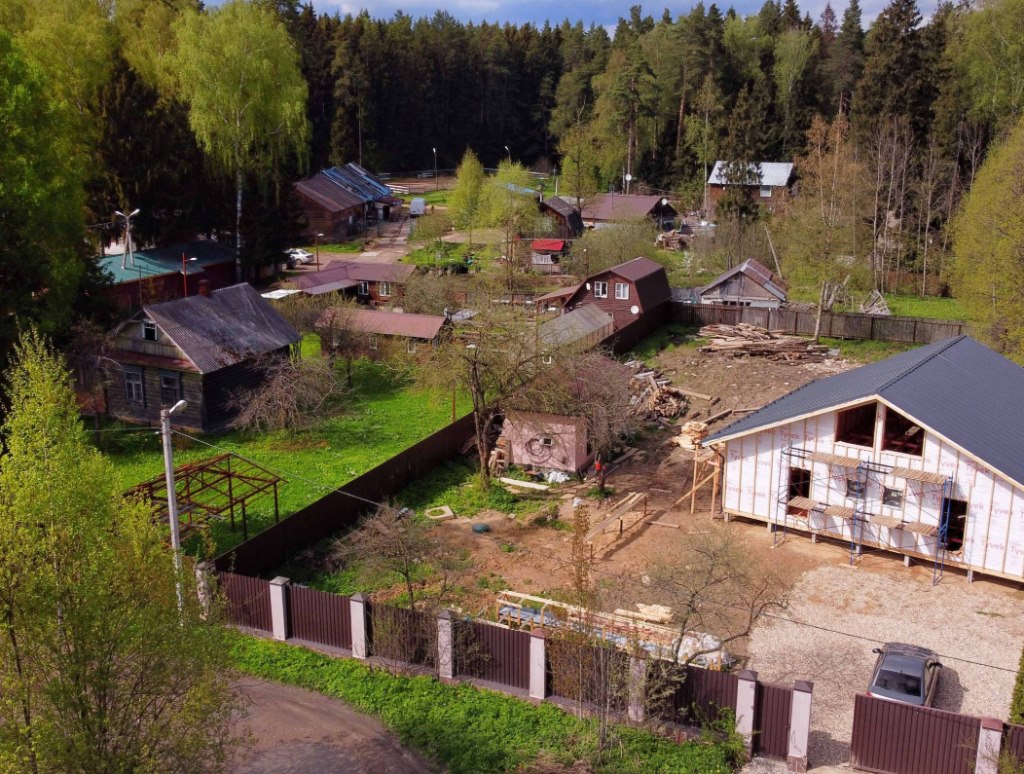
pixel 894 738
pixel 905 330
pixel 320 618
pixel 248 601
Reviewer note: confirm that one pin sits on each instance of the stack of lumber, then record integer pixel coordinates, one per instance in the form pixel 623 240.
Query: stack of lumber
pixel 623 516
pixel 670 240
pixel 691 434
pixel 745 339
pixel 655 398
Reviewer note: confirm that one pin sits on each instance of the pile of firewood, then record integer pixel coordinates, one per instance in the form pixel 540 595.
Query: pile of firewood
pixel 654 397
pixel 745 339
pixel 691 434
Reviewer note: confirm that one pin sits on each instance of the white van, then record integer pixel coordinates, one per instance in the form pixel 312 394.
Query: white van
pixel 417 207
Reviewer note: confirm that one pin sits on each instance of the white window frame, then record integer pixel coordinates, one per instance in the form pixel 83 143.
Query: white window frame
pixel 135 387
pixel 373 341
pixel 363 289
pixel 765 192
pixel 622 291
pixel 547 441
pixel 600 290
pixel 410 346
pixel 384 289
pixel 149 327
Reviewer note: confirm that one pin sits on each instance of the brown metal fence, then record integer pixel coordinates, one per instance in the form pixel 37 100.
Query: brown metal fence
pixel 1013 743
pixel 319 617
pixel 248 601
pixel 591 674
pixel 894 738
pixel 493 653
pixel 398 634
pixel 274 546
pixel 699 697
pixel 773 705
pixel 906 330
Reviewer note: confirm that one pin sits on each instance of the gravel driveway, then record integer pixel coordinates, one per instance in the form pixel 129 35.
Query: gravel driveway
pixel 980 622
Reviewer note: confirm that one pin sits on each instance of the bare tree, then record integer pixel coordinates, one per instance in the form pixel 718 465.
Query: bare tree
pixel 429 294
pixel 330 316
pixel 292 394
pixel 88 355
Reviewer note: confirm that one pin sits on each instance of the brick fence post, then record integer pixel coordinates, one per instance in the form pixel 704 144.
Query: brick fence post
pixel 990 740
pixel 746 702
pixel 357 611
pixel 279 607
pixel 799 726
pixel 445 646
pixel 538 665
pixel 637 689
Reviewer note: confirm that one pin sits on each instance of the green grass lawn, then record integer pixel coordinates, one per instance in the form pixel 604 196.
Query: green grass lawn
pixel 355 246
pixel 439 198
pixel 932 307
pixel 866 351
pixel 382 419
pixel 472 731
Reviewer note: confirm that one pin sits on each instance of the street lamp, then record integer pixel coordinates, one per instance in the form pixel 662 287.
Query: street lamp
pixel 128 247
pixel 172 497
pixel 316 240
pixel 509 154
pixel 436 188
pixel 184 274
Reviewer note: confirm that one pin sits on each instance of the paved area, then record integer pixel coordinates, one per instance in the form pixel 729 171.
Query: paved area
pixel 300 732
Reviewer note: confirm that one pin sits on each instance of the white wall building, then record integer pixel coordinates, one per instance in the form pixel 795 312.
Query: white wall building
pixel 921 454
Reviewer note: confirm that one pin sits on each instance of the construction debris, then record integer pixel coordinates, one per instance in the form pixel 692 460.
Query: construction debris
pixel 746 339
pixel 654 398
pixel 691 434
pixel 875 304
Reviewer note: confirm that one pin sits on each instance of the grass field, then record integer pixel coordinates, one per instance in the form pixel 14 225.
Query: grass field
pixel 355 246
pixel 382 419
pixel 925 306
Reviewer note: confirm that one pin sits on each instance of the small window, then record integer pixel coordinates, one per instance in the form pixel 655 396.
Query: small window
pixel 622 291
pixel 410 346
pixel 799 486
pixel 384 289
pixel 892 497
pixel 855 488
pixel 149 331
pixel 857 426
pixel 373 341
pixel 954 515
pixel 134 391
pixel 547 441
pixel 600 290
pixel 766 192
pixel 363 289
pixel 170 389
pixel 901 434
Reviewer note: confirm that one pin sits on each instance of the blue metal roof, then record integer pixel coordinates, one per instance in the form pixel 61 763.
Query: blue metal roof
pixel 959 388
pixel 155 262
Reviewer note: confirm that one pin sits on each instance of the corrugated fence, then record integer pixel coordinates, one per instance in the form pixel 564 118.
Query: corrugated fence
pixel 773 705
pixel 248 601
pixel 319 617
pixel 905 330
pixel 493 653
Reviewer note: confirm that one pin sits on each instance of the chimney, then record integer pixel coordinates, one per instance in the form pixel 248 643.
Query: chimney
pixel 204 288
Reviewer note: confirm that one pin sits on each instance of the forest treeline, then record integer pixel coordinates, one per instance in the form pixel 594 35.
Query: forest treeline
pixel 202 117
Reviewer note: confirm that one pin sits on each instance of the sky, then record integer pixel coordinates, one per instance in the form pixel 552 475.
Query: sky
pixel 600 12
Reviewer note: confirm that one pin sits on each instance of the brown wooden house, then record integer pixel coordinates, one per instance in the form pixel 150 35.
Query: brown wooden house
pixel 370 283
pixel 628 292
pixel 565 218
pixel 377 334
pixel 768 182
pixel 607 209
pixel 341 201
pixel 749 284
pixel 202 349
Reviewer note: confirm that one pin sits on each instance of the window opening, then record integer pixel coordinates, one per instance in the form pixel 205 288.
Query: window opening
pixel 411 346
pixel 621 291
pixel 799 486
pixel 855 488
pixel 385 289
pixel 133 389
pixel 149 331
pixel 766 192
pixel 892 497
pixel 363 289
pixel 600 290
pixel 857 426
pixel 547 441
pixel 956 513
pixel 901 434
pixel 373 342
pixel 170 389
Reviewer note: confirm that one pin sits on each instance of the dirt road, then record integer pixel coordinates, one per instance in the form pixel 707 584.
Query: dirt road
pixel 296 732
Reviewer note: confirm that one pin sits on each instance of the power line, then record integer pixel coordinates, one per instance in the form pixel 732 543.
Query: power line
pixel 605 573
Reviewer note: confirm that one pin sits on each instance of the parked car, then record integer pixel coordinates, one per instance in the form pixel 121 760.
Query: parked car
pixel 301 256
pixel 417 207
pixel 905 673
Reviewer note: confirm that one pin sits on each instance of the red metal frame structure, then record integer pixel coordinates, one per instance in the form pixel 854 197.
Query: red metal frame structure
pixel 210 488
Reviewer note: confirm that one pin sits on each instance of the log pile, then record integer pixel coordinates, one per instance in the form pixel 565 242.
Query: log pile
pixel 746 339
pixel 654 398
pixel 691 434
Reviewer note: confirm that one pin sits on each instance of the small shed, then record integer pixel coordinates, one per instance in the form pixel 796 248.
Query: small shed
pixel 547 441
pixel 546 255
pixel 749 284
pixel 565 217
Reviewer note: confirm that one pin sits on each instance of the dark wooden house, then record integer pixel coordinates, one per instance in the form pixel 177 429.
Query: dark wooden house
pixel 378 334
pixel 607 209
pixel 749 284
pixel 203 349
pixel 158 274
pixel 370 283
pixel 341 201
pixel 767 181
pixel 565 219
pixel 628 292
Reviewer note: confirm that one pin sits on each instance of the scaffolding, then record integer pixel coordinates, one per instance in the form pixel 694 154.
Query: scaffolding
pixel 859 517
pixel 210 488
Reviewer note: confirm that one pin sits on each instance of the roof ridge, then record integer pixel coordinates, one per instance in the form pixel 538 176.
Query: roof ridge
pixel 946 345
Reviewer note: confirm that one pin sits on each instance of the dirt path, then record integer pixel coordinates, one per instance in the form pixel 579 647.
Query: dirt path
pixel 297 731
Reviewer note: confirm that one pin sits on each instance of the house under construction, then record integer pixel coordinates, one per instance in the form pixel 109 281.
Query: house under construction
pixel 921 454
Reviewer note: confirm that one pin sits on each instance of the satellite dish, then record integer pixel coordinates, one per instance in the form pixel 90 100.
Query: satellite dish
pixel 634 309
pixel 629 178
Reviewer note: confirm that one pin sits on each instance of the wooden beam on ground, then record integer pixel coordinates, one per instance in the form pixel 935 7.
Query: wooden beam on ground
pixel 524 484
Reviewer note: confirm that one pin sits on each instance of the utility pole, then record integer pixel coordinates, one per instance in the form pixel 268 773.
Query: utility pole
pixel 436 186
pixel 317 240
pixel 129 248
pixel 172 497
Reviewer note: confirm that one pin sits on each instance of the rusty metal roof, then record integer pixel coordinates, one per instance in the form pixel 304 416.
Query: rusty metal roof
pixel 226 327
pixel 611 207
pixel 414 326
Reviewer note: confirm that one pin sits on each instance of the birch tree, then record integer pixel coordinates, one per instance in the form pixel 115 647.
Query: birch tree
pixel 237 70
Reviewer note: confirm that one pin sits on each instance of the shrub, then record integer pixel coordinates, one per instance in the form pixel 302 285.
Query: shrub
pixel 1017 702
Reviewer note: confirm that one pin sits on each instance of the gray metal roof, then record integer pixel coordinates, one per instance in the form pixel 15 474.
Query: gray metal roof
pixel 959 388
pixel 228 326
pixel 773 173
pixel 756 271
pixel 574 326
